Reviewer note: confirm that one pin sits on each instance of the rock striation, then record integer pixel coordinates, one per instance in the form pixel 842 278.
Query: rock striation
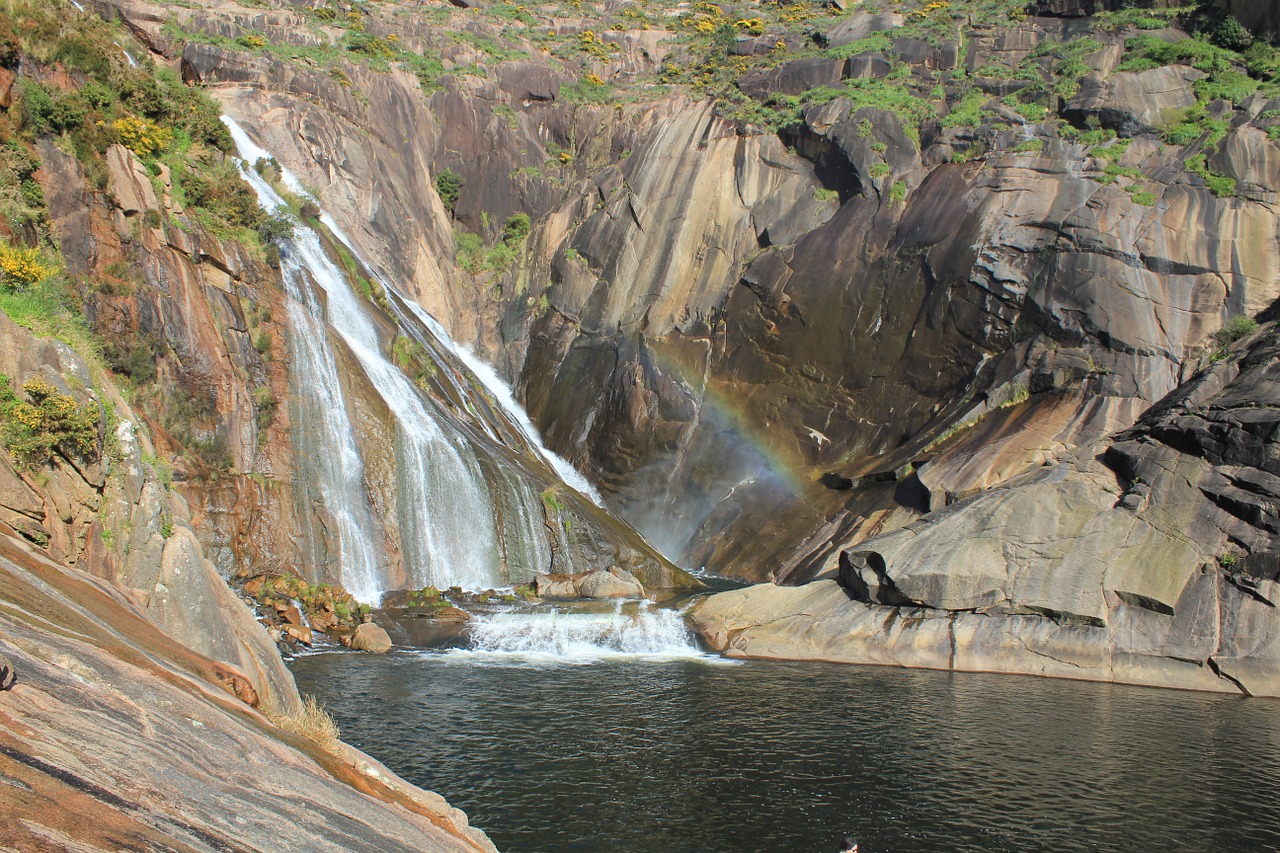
pixel 116 737
pixel 1149 558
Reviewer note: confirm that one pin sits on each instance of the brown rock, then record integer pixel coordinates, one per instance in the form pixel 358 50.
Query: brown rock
pixel 237 683
pixel 615 583
pixel 555 586
pixel 299 633
pixel 450 614
pixel 368 637
pixel 292 615
pixel 128 183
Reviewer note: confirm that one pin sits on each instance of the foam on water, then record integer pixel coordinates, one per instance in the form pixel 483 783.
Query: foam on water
pixel 557 636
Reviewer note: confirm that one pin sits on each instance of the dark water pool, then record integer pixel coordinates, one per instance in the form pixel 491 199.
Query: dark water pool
pixel 636 755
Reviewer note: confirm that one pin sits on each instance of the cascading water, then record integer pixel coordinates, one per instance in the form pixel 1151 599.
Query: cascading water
pixel 444 510
pixel 325 435
pixel 502 393
pixel 580 636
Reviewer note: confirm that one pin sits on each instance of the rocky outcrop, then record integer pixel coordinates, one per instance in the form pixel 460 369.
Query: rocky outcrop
pixel 704 379
pixel 110 717
pixel 772 343
pixel 1149 559
pixel 117 518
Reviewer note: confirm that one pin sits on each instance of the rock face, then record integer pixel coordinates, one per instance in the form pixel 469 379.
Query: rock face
pixel 204 323
pixel 713 321
pixel 777 334
pixel 169 756
pixel 1149 559
pixel 117 519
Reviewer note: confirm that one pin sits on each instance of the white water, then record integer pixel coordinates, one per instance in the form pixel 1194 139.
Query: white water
pixel 443 506
pixel 560 636
pixel 489 377
pixel 133 63
pixel 506 399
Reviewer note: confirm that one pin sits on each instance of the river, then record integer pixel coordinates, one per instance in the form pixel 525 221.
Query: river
pixel 553 738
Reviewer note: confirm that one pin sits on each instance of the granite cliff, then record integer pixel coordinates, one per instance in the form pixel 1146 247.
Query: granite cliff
pixel 798 277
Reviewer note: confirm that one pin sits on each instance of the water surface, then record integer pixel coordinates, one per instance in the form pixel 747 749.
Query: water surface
pixel 670 754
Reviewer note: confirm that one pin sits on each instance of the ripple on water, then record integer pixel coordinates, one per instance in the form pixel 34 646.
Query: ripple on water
pixel 675 755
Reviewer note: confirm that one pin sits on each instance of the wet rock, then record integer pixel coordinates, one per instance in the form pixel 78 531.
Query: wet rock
pixel 449 614
pixel 368 637
pixel 298 633
pixel 836 481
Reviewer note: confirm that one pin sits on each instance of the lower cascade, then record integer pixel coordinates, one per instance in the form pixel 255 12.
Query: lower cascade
pixel 577 636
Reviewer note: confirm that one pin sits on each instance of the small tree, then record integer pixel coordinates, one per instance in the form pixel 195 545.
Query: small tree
pixel 449 188
pixel 515 229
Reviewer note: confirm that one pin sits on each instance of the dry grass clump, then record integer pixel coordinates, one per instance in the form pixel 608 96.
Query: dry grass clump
pixel 312 722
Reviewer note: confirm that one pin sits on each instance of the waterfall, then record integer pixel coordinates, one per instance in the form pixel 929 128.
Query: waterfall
pixel 325 436
pixel 502 393
pixel 445 513
pixel 579 636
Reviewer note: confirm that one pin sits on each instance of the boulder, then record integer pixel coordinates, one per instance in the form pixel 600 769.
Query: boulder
pixel 862 24
pixel 298 633
pixel 1132 102
pixel 794 78
pixel 370 638
pixel 615 583
pixel 128 182
pixel 555 586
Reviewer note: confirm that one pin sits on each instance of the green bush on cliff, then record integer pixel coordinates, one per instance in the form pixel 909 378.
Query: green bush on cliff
pixel 1240 326
pixel 45 423
pixel 449 187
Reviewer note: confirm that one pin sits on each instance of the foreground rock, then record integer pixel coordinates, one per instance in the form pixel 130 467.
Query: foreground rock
pixel 1150 559
pixel 116 738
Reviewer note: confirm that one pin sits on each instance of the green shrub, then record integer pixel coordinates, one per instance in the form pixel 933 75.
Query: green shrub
pixel 1220 185
pixel 516 228
pixel 449 187
pixel 45 423
pixel 967 112
pixel 1240 326
pixel 469 250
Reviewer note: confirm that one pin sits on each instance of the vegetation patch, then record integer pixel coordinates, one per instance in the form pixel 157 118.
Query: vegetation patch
pixel 46 423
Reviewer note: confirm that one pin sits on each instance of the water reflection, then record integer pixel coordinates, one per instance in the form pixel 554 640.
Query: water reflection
pixel 684 756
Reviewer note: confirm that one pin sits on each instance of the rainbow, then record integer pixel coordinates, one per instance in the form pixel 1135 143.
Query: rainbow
pixel 729 413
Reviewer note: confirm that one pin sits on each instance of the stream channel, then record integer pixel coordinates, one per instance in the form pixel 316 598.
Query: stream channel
pixel 607 729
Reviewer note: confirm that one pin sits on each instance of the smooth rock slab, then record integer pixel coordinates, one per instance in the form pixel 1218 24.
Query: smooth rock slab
pixel 116 737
